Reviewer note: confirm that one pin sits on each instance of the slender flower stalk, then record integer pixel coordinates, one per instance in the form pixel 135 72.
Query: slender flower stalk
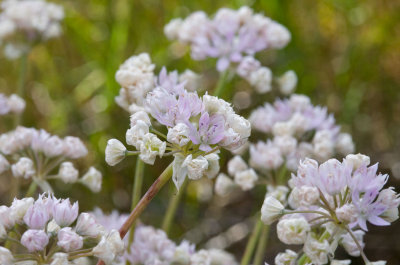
pixel 23 67
pixel 144 201
pixel 221 90
pixel 172 208
pixel 136 193
pixel 251 243
pixel 261 246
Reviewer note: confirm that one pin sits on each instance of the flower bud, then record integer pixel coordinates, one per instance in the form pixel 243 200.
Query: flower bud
pixel 140 116
pixel 53 227
pixel 34 240
pixel 151 147
pixel 69 240
pixel 115 152
pixel 109 247
pixel 74 147
pixel 92 179
pixel 37 215
pixel 16 103
pixel 286 258
pixel 293 230
pixel 179 134
pixel 287 82
pixel 53 146
pixel 64 213
pixel 345 144
pixel 347 213
pixel 271 210
pixel 316 250
pixel 23 168
pixel 196 167
pixel 60 259
pixel 19 208
pixel 135 135
pixel 236 165
pixel 357 160
pixel 303 196
pixel 246 179
pixel 6 258
pixel 213 165
pixel 86 225
pixel 5 217
pixel 223 185
pixel 68 173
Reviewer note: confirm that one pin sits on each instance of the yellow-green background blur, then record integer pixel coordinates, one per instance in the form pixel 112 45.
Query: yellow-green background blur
pixel 346 54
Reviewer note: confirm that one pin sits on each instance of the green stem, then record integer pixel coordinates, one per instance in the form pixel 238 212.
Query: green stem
pixel 136 194
pixel 172 207
pixel 144 201
pixel 221 89
pixel 251 243
pixel 261 247
pixel 32 189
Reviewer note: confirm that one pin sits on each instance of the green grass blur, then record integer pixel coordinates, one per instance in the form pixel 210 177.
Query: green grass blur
pixel 345 52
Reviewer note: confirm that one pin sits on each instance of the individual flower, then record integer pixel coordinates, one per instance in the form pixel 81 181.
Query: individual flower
pixel 286 258
pixel 271 210
pixel 246 179
pixel 115 152
pixel 34 240
pixel 92 179
pixel 64 213
pixel 69 240
pixel 293 230
pixel 224 185
pixel 68 173
pixel 6 257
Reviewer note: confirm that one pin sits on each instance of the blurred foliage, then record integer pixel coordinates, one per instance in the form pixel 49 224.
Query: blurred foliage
pixel 345 52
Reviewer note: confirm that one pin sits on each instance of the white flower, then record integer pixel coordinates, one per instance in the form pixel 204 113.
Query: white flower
pixel 357 160
pixel 299 102
pixel 109 247
pixel 287 82
pixel 87 226
pixel 179 134
pixel 283 128
pixel 196 167
pixel 380 262
pixel 92 179
pixel 53 227
pixel 69 240
pixel 287 144
pixel 271 210
pixel 4 165
pixel 191 79
pixel 53 146
pixel 350 246
pixel 220 257
pixel 213 165
pixel 223 185
pixel 115 152
pixel 201 257
pixel 317 251
pixel 286 258
pixel 261 79
pixel 178 171
pixel 293 230
pixel 3 232
pixel 345 144
pixel 246 179
pixel 278 192
pixel 6 258
pixel 303 196
pixel 151 147
pixel 60 259
pixel 140 116
pixel 171 30
pixel 240 125
pixel 347 213
pixel 247 66
pixel 236 165
pixel 16 103
pixel 74 147
pixel 23 168
pixel 68 173
pixel 19 207
pixel 135 135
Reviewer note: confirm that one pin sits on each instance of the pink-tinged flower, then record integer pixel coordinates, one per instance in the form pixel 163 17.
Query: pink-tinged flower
pixel 5 217
pixel 64 213
pixel 210 132
pixel 332 177
pixel 69 240
pixel 87 225
pixel 74 147
pixel 34 240
pixel 38 214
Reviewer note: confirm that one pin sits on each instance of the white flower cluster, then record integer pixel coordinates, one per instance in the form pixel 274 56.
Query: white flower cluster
pixel 47 224
pixel 152 246
pixel 35 154
pixel 136 78
pixel 29 20
pixel 243 177
pixel 299 130
pixel 234 36
pixel 12 104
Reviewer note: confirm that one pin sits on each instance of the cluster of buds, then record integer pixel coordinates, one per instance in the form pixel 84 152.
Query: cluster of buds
pixel 36 155
pixel 51 231
pixel 136 78
pixel 11 105
pixel 298 130
pixel 331 204
pixel 23 23
pixel 234 36
pixel 197 128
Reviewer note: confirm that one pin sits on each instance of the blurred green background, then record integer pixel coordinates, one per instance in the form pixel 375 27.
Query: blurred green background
pixel 346 54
